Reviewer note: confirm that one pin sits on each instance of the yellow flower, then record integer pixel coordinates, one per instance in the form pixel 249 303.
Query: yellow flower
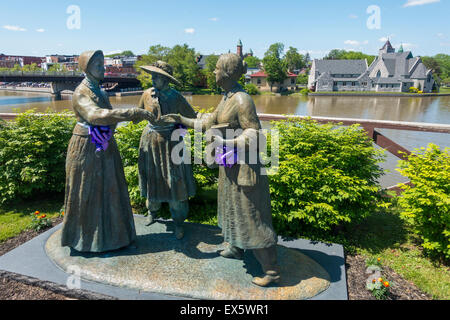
pixel 380 279
pixel 386 284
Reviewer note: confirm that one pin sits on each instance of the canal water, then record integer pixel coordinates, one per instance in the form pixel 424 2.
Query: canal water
pixel 410 109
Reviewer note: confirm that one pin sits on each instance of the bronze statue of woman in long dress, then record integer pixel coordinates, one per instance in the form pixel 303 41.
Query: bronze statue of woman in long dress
pixel 97 205
pixel 160 179
pixel 244 210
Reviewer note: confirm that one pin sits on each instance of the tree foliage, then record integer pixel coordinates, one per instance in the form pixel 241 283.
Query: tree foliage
pixel 426 204
pixel 294 60
pixel 252 62
pixel 337 54
pixel 180 57
pixel 273 64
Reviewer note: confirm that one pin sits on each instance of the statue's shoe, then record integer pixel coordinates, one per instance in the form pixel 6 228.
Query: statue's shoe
pixel 150 220
pixel 232 253
pixel 266 280
pixel 179 232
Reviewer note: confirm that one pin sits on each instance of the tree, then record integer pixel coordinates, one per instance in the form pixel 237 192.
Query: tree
pixel 210 66
pixel 180 57
pixel 274 66
pixel 337 54
pixel 252 62
pixel 307 59
pixel 294 60
pixel 302 79
pixel 185 68
pixel 30 67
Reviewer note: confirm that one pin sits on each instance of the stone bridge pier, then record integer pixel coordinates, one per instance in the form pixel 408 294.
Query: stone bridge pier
pixel 57 87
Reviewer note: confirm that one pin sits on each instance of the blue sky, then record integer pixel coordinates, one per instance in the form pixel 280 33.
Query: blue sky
pixel 40 27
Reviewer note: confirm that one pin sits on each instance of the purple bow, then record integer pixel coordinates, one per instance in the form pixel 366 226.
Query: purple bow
pixel 226 156
pixel 180 126
pixel 100 137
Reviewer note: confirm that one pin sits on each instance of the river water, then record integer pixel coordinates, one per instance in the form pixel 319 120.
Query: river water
pixel 410 109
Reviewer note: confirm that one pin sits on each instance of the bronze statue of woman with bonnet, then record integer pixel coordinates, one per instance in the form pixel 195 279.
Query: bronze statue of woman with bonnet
pixel 98 215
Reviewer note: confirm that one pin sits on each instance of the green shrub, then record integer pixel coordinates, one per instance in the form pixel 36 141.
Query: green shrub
pixel 32 154
pixel 426 204
pixel 128 137
pixel 327 177
pixel 251 89
pixel 305 91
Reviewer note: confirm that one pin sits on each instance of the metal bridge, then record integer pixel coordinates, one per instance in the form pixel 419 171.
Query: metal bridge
pixel 61 81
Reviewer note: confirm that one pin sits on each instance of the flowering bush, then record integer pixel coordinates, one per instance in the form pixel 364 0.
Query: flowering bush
pixel 413 90
pixel 40 221
pixel 379 288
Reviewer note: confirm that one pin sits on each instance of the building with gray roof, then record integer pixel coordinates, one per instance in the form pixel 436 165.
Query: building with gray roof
pixel 390 72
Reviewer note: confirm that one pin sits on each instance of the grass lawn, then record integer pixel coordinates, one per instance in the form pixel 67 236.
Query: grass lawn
pixel 444 90
pixel 16 217
pixel 385 236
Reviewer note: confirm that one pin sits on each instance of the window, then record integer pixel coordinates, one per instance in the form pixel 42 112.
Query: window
pixel 353 84
pixel 292 81
pixel 335 83
pixel 378 74
pixel 258 81
pixel 344 83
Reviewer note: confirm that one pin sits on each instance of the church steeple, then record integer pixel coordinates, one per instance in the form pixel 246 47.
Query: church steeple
pixel 387 48
pixel 401 48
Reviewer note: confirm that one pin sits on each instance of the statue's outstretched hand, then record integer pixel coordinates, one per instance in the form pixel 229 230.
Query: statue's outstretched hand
pixel 171 118
pixel 143 115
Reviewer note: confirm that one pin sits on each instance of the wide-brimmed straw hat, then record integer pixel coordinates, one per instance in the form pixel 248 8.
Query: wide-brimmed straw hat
pixel 86 57
pixel 163 68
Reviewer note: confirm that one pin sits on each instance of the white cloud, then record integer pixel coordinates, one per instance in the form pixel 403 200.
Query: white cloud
pixel 412 3
pixel 40 30
pixel 14 28
pixel 355 42
pixel 214 19
pixel 189 30
pixel 353 16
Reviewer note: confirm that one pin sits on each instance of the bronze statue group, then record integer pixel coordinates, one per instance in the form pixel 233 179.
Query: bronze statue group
pixel 98 214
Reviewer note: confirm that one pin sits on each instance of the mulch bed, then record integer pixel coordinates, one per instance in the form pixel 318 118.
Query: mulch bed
pixel 16 287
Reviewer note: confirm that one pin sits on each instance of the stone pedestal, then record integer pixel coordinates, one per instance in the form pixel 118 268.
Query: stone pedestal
pixel 191 267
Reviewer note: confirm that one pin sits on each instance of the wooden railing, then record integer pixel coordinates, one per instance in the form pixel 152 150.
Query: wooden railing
pixel 369 126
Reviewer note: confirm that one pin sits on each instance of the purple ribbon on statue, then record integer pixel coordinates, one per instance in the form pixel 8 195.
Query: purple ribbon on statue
pixel 226 156
pixel 180 126
pixel 100 137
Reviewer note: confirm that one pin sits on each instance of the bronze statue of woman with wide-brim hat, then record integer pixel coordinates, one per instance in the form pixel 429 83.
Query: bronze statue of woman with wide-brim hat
pixel 160 179
pixel 98 214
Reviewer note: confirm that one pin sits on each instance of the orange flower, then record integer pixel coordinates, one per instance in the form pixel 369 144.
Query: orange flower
pixel 37 212
pixel 62 213
pixel 44 216
pixel 386 284
pixel 380 279
pixel 373 281
pixel 379 259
